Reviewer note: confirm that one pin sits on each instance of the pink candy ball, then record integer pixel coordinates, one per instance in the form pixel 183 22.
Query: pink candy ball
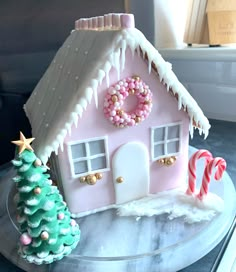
pixel 131 85
pixel 25 239
pixel 37 162
pixel 61 216
pixel 116 118
pixel 73 223
pixel 44 235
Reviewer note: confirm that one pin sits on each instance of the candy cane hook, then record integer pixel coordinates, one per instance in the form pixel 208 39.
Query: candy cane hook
pixel 202 153
pixel 218 163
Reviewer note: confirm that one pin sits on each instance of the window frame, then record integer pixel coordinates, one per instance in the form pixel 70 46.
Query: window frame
pixel 165 141
pixel 88 157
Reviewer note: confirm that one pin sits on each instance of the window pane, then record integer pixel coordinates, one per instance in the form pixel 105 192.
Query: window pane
pixel 173 132
pixel 173 147
pixel 97 147
pixel 158 150
pixel 80 167
pixel 98 163
pixel 78 151
pixel 159 134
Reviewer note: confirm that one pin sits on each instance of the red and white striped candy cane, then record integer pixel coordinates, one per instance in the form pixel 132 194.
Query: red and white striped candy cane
pixel 218 162
pixel 202 153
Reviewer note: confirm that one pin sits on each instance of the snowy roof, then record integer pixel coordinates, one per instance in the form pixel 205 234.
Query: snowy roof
pixel 80 65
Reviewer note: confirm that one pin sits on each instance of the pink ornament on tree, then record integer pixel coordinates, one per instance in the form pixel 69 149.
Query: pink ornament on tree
pixel 44 235
pixel 73 223
pixel 37 162
pixel 25 239
pixel 61 216
pixel 37 190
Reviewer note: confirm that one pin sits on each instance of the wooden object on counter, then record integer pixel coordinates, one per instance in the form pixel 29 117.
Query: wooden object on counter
pixel 221 17
pixel 196 30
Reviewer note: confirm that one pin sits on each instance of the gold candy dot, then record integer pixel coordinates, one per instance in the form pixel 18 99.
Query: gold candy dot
pixel 132 91
pixel 82 179
pixel 162 161
pixel 168 161
pixel 98 175
pixel 114 98
pixel 136 78
pixel 172 160
pixel 91 179
pixel 120 112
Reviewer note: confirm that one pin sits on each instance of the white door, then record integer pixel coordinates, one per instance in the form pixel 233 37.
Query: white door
pixel 130 166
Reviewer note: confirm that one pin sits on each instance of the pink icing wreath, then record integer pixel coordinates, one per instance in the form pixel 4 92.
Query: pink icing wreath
pixel 116 96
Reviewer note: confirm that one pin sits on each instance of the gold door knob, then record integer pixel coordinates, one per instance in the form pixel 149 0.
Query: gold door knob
pixel 119 179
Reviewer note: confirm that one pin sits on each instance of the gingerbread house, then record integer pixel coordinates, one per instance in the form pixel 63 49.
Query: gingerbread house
pixel 112 117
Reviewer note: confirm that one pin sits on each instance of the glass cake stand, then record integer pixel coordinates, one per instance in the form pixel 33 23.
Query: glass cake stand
pixel 113 243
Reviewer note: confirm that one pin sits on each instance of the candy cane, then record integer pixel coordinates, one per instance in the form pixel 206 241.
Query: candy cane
pixel 221 166
pixel 202 153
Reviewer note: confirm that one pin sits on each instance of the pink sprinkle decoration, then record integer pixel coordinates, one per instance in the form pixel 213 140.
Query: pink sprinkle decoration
pixel 218 163
pixel 25 239
pixel 61 216
pixel 192 168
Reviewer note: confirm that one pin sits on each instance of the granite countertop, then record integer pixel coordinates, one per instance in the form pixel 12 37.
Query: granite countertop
pixel 221 142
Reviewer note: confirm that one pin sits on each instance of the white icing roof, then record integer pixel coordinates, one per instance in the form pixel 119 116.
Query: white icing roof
pixel 72 78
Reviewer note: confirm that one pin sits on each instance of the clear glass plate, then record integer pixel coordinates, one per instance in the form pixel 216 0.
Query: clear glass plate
pixel 113 243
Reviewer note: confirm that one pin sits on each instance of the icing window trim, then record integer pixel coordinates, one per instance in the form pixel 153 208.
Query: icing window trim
pixel 88 157
pixel 115 97
pixel 165 141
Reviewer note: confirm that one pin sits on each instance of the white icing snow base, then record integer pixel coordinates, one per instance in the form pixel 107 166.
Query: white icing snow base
pixel 174 202
pixel 177 204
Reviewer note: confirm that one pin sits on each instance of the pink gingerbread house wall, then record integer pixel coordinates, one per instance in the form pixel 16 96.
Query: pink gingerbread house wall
pixel 83 197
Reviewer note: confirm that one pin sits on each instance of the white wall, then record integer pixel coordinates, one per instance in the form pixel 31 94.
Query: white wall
pixel 209 74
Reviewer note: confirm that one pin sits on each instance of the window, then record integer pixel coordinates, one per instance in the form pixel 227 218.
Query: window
pixel 89 156
pixel 165 140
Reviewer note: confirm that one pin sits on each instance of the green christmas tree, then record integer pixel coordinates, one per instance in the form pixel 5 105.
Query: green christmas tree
pixel 47 231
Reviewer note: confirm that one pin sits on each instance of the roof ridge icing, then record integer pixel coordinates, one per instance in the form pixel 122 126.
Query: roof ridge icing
pixel 110 21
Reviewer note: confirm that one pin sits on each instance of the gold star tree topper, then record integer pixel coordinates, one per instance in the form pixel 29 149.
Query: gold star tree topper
pixel 24 143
